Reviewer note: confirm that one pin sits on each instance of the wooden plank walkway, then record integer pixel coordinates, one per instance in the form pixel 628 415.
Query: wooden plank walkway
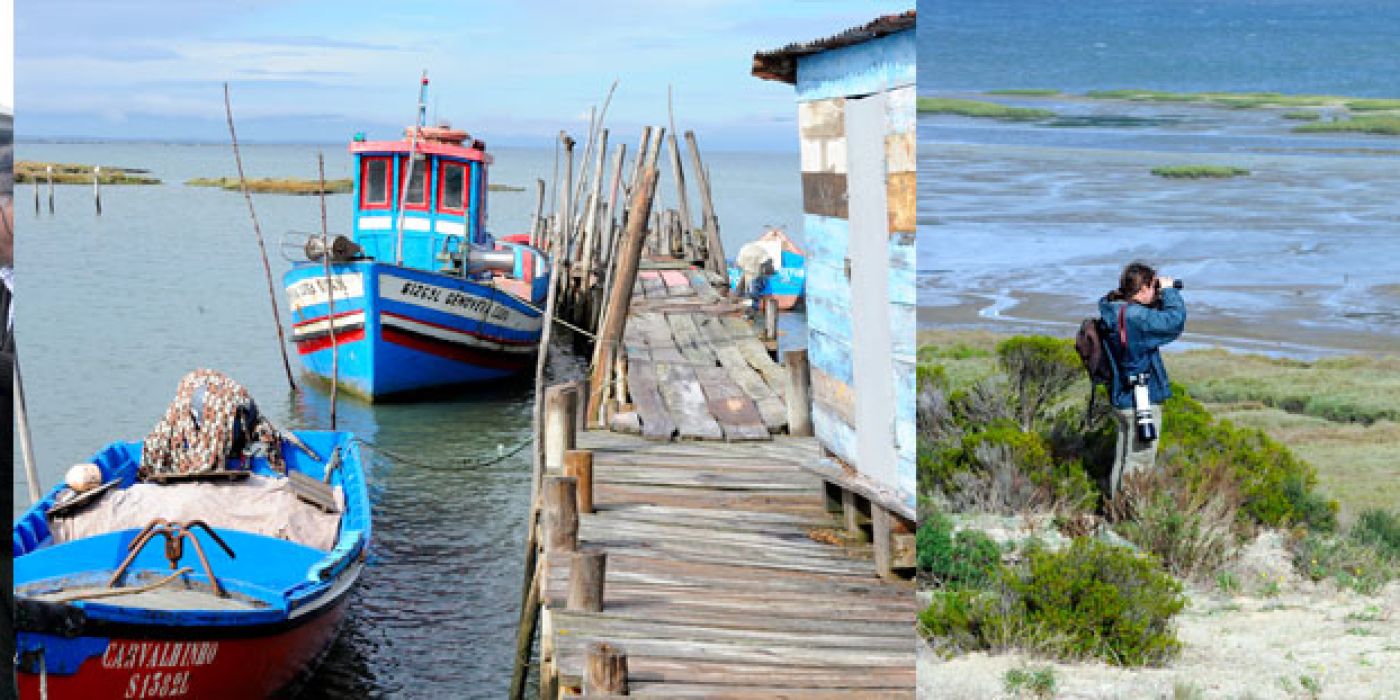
pixel 721 579
pixel 696 369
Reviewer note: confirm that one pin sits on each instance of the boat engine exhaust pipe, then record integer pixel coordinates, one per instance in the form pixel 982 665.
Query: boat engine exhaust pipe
pixel 342 249
pixel 494 260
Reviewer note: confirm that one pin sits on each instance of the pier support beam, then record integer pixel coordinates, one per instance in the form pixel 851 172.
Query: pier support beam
pixel 770 318
pixel 799 402
pixel 607 670
pixel 587 578
pixel 579 464
pixel 560 423
pixel 560 514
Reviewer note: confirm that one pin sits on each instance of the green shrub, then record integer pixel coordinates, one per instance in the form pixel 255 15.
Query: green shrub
pixel 1379 529
pixel 1039 683
pixel 961 560
pixel 1040 369
pixel 1276 488
pixel 1191 527
pixel 1364 560
pixel 1090 600
pixel 1103 601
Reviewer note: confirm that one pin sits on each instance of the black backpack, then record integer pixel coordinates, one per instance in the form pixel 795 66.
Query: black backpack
pixel 1089 343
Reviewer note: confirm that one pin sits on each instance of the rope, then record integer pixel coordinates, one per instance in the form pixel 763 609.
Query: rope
pixel 401 459
pixel 122 591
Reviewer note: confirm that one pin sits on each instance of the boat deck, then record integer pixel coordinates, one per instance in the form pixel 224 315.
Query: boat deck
pixel 727 577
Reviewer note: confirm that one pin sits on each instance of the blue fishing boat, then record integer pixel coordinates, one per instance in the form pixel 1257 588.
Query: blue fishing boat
pixel 242 601
pixel 778 264
pixel 424 296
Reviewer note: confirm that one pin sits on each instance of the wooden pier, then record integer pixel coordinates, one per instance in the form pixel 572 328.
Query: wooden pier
pixel 688 537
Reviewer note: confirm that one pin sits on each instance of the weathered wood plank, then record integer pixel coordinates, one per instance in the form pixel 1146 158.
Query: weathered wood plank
pixel 681 391
pixel 736 413
pixel 657 423
pixel 677 283
pixel 689 340
pixel 703 289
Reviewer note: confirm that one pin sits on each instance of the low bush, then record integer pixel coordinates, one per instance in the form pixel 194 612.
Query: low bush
pixel 1090 600
pixel 966 559
pixel 1040 369
pixel 1191 527
pixel 1276 488
pixel 1364 560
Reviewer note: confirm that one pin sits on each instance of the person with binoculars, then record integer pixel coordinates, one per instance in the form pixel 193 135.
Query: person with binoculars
pixel 1144 313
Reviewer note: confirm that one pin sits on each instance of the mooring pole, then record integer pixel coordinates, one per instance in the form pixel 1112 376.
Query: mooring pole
pixel 49 172
pixel 26 446
pixel 620 296
pixel 330 284
pixel 714 246
pixel 97 188
pixel 257 232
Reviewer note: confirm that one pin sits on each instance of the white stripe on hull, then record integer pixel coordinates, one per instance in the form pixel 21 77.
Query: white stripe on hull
pixel 347 321
pixel 449 335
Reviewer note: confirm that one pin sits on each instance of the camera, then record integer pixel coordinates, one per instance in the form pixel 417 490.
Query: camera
pixel 1142 408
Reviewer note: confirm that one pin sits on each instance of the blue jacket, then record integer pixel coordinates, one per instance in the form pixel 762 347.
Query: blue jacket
pixel 1148 330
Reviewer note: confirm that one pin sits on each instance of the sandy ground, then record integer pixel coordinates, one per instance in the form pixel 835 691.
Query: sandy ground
pixel 1256 644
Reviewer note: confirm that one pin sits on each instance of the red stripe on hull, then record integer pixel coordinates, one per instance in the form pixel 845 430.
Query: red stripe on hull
pixel 453 351
pixel 306 347
pixel 232 669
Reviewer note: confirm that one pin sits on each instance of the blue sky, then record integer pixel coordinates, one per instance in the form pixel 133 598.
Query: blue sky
pixel 315 71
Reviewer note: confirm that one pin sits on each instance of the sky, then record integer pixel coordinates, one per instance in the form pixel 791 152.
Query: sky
pixel 513 73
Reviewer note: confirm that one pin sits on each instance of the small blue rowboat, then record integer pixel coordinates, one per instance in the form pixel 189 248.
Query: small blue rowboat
pixel 241 602
pixel 779 266
pixel 424 297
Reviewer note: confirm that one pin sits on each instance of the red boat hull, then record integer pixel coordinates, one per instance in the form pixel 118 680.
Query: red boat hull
pixel 190 663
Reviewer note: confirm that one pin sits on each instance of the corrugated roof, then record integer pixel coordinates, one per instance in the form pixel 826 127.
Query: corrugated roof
pixel 781 64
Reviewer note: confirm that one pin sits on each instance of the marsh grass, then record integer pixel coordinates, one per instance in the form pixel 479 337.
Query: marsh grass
pixel 1305 115
pixel 1025 92
pixel 268 185
pixel 1379 124
pixel 979 109
pixel 1196 172
pixel 79 174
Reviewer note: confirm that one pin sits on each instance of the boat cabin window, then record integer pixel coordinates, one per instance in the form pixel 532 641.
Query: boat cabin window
pixel 417 196
pixel 453 179
pixel 374 182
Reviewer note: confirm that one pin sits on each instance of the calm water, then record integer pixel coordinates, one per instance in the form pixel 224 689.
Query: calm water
pixel 1026 225
pixel 114 310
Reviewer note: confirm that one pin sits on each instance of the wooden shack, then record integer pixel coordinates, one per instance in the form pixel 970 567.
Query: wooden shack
pixel 856 118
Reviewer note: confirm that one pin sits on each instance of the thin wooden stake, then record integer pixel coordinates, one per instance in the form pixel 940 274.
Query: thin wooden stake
pixel 330 284
pixel 714 246
pixel 50 178
pixel 257 232
pixel 97 188
pixel 26 446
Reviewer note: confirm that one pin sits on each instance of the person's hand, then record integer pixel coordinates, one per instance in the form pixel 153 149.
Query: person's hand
pixel 1165 282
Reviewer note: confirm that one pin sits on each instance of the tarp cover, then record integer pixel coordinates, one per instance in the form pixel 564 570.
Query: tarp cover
pixel 258 504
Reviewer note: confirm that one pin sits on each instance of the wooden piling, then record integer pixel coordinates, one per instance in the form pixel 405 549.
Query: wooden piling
pixel 560 514
pixel 620 296
pixel 770 318
pixel 537 223
pixel 97 188
pixel 607 670
pixel 36 196
pixel 560 426
pixel 579 464
pixel 587 579
pixel 49 176
pixel 799 387
pixel 713 245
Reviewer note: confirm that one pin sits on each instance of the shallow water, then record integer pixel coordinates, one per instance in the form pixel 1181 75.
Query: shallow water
pixel 113 310
pixel 1028 224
